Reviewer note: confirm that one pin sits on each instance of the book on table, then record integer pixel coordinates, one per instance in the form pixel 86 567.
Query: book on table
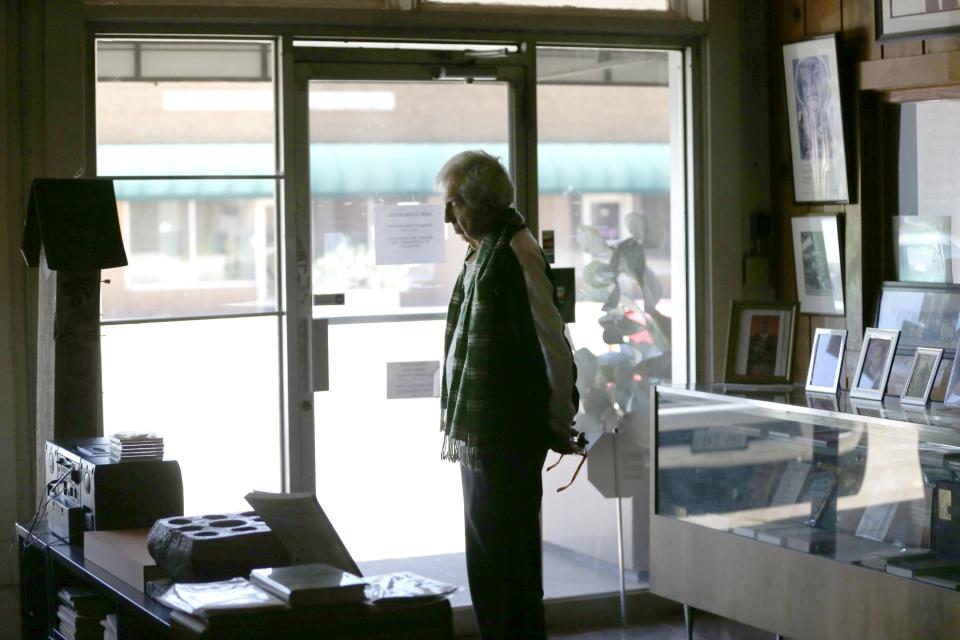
pixel 302 527
pixel 310 584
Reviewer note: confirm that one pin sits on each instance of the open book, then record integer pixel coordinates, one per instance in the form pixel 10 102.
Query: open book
pixel 303 528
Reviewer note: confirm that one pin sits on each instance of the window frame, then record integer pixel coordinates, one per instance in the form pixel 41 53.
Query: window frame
pixel 598 30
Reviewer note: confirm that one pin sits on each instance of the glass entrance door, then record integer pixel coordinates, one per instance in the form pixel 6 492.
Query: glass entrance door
pixel 383 265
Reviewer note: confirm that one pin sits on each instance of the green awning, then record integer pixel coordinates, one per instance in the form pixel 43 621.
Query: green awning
pixel 355 169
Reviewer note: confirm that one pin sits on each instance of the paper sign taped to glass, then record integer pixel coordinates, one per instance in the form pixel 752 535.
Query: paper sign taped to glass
pixel 409 234
pixel 413 379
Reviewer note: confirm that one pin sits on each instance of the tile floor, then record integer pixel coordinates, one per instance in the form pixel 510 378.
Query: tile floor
pixel 706 627
pixel 569 575
pixel 565 574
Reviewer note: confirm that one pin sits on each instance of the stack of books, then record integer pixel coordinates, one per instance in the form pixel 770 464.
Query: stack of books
pixel 80 611
pixel 131 446
pixel 930 564
pixel 307 585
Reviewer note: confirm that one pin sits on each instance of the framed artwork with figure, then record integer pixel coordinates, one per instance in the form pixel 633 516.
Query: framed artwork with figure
pixel 818 264
pixel 814 112
pixel 873 368
pixel 760 342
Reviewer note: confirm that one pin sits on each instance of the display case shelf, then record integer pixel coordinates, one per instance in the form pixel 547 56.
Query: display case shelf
pixel 798 502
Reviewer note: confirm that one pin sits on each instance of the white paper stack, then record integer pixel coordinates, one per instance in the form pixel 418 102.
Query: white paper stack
pixel 129 446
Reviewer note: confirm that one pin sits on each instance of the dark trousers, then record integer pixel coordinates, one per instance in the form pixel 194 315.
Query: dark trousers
pixel 501 511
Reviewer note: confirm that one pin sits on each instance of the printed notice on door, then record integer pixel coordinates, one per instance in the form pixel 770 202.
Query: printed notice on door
pixel 412 379
pixel 409 234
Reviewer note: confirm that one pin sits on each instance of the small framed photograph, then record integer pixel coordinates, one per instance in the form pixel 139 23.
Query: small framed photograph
pixel 910 18
pixel 826 360
pixel 873 368
pixel 814 113
pixel 951 397
pixel 818 265
pixel 760 342
pixel 920 379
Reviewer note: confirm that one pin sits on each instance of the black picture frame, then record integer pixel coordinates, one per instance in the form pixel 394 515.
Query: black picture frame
pixel 891 26
pixel 760 342
pixel 821 166
pixel 927 314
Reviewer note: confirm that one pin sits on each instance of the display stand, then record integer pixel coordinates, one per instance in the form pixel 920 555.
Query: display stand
pixel 47 563
pixel 774 510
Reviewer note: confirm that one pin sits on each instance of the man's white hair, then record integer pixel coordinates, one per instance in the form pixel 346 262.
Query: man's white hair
pixel 478 179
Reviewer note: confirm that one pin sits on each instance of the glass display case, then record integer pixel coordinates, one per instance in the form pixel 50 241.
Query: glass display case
pixel 824 488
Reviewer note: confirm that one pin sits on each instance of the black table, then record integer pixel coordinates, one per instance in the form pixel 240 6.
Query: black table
pixel 48 562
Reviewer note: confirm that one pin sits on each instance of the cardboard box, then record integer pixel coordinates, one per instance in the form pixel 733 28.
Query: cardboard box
pixel 124 554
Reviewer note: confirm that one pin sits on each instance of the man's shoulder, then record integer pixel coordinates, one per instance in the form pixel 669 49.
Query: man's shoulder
pixel 526 249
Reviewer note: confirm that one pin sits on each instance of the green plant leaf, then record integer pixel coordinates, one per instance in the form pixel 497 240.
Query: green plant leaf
pixel 598 274
pixel 592 242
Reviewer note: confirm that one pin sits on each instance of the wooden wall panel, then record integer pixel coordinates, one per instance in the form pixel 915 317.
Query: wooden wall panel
pixel 939 45
pixel 902 49
pixel 864 219
pixel 823 17
pixel 859 29
pixel 789 20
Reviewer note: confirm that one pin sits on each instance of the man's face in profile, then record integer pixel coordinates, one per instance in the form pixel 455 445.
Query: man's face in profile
pixel 462 219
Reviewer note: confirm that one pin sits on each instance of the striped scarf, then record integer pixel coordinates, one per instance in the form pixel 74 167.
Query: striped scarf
pixel 469 332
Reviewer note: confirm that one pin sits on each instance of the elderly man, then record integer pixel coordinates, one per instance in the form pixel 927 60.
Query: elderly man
pixel 508 393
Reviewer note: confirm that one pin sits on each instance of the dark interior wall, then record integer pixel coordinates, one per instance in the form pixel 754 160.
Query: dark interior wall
pixel 866 221
pixel 15 468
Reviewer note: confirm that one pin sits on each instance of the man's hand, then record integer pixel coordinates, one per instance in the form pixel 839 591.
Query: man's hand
pixel 573 442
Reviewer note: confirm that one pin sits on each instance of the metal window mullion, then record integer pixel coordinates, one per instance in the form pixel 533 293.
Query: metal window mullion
pixel 299 450
pixel 699 306
pixel 523 134
pixel 199 176
pixel 279 251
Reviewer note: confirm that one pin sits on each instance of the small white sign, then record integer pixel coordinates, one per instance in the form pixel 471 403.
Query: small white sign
pixel 409 234
pixel 412 379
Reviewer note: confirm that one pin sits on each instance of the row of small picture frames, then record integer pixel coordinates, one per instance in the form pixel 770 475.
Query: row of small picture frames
pixel 873 367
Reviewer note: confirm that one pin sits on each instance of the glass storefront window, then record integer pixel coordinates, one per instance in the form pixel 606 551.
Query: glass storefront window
pixel 210 388
pixel 612 219
pixel 186 129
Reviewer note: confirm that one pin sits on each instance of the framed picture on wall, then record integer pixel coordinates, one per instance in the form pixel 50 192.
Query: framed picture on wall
pixel 814 113
pixel 923 370
pixel 910 18
pixel 818 265
pixel 926 314
pixel 826 360
pixel 760 342
pixel 873 367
